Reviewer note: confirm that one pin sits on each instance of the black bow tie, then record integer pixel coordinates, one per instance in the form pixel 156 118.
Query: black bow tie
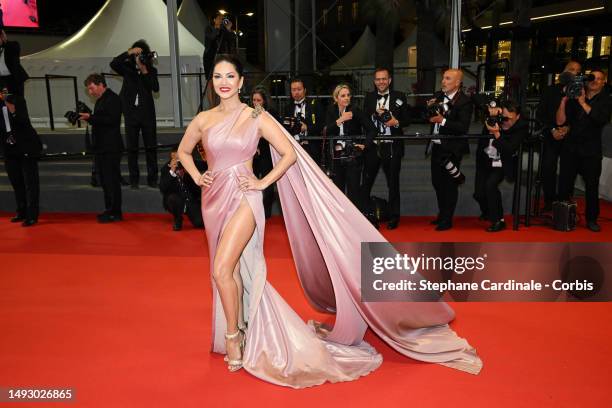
pixel 298 103
pixel 382 96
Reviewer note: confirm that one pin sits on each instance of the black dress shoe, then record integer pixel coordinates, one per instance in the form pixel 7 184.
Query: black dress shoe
pixel 483 217
pixel 593 226
pixel 435 221
pixel 393 224
pixel 105 218
pixel 178 224
pixel 17 218
pixel 29 222
pixel 497 226
pixel 443 226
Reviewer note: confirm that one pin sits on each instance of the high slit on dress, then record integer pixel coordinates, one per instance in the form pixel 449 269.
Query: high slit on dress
pixel 325 232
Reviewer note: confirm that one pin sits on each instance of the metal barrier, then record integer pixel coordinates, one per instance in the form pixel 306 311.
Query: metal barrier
pixel 47 78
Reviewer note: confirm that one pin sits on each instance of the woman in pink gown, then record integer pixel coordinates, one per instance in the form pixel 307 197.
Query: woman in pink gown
pixel 252 324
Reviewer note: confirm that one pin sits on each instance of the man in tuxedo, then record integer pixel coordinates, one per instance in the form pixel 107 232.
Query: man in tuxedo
pixel 139 83
pixel 107 144
pixel 388 110
pixel 12 74
pixel 22 148
pixel 582 152
pixel 553 134
pixel 453 118
pixel 308 112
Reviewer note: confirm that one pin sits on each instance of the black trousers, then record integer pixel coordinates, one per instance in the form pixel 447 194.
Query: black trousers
pixel 347 177
pixel 391 165
pixel 589 167
pixel 110 179
pixel 23 174
pixel 175 204
pixel 550 157
pixel 149 137
pixel 447 190
pixel 486 191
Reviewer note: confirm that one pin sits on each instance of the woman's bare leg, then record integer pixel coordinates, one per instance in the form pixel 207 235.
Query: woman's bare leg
pixel 240 287
pixel 234 239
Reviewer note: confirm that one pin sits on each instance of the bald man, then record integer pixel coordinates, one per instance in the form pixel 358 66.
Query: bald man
pixel 553 136
pixel 446 154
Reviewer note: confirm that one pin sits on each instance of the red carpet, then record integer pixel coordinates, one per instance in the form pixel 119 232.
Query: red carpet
pixel 121 314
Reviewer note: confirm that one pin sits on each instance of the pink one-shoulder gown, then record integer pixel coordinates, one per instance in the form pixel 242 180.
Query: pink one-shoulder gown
pixel 325 232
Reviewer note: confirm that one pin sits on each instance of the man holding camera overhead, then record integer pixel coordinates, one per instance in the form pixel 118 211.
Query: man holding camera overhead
pixel 450 114
pixel 105 124
pixel 139 83
pixel 586 111
pixel 389 112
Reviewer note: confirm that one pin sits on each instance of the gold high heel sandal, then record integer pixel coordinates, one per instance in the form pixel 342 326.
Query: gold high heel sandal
pixel 235 365
pixel 243 329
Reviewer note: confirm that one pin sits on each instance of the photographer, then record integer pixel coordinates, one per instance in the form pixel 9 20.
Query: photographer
pixel 301 119
pixel 495 159
pixel 450 114
pixel 388 111
pixel 12 74
pixel 180 194
pixel 22 148
pixel 139 83
pixel 218 39
pixel 343 119
pixel 581 153
pixel 107 144
pixel 553 135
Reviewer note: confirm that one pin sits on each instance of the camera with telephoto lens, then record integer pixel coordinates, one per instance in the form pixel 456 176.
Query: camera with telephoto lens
pixel 293 124
pixel 574 84
pixel 147 58
pixel 384 116
pixel 346 153
pixel 439 107
pixel 73 116
pixel 452 170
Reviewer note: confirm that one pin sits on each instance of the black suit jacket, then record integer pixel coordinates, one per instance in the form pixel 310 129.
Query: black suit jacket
pixel 546 113
pixel 170 185
pixel 135 83
pixel 457 123
pixel 28 142
pixel 12 55
pixel 359 125
pixel 312 116
pixel 399 108
pixel 585 132
pixel 507 145
pixel 106 124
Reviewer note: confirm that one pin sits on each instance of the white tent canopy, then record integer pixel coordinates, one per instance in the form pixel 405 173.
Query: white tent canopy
pixel 362 54
pixel 116 26
pixel 193 18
